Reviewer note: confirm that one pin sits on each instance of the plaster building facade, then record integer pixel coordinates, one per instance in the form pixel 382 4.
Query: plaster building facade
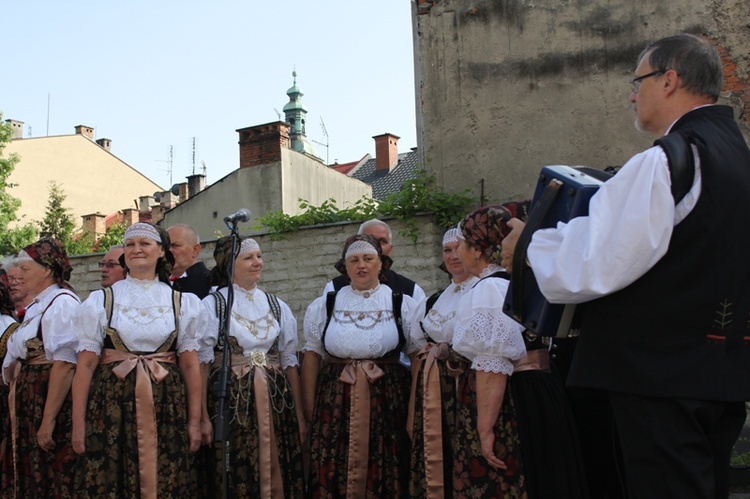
pixel 83 167
pixel 505 87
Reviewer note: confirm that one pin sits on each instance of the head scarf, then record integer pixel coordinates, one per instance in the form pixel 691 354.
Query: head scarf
pixel 222 255
pixel 248 245
pixel 451 236
pixel 142 229
pixel 48 252
pixel 7 307
pixel 364 242
pixel 485 229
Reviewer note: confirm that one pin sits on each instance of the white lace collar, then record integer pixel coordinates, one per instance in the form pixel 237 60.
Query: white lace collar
pixel 142 283
pixel 366 293
pixel 490 269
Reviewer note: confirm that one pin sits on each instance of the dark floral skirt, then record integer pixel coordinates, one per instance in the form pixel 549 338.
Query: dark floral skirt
pixel 473 477
pixel 109 467
pixel 388 460
pixel 40 473
pixel 243 475
pixel 6 459
pixel 417 481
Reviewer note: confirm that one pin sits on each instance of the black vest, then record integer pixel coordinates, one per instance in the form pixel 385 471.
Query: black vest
pixel 683 328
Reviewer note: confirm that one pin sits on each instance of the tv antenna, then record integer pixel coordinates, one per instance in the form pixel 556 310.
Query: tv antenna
pixel 325 132
pixel 193 157
pixel 204 167
pixel 278 114
pixel 169 163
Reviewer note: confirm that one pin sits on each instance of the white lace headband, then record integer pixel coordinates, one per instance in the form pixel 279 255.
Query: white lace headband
pixel 451 235
pixel 141 229
pixel 248 245
pixel 360 247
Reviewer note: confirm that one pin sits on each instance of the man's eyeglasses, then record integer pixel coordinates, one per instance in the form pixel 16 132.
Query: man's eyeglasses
pixel 12 279
pixel 109 265
pixel 635 83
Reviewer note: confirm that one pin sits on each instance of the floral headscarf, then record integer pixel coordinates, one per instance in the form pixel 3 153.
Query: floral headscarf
pixel 486 228
pixel 341 264
pixel 50 253
pixel 7 307
pixel 219 275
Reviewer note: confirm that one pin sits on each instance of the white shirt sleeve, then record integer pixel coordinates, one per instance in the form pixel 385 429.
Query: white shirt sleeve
pixel 91 322
pixel 211 332
pixel 288 340
pixel 193 323
pixel 315 320
pixel 58 326
pixel 418 293
pixel 627 232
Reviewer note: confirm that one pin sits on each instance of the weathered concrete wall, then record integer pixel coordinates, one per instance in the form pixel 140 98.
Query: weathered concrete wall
pixel 298 267
pixel 505 87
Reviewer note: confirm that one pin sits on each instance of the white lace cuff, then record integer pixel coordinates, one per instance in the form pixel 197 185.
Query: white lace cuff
pixel 492 364
pixel 190 345
pixel 206 355
pixel 90 346
pixel 288 360
pixel 65 355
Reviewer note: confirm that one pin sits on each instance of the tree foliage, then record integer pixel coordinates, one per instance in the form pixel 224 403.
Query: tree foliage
pixel 112 237
pixel 418 195
pixel 11 239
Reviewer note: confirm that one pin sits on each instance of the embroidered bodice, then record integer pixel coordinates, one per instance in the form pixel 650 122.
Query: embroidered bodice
pixel 362 325
pixel 57 325
pixel 254 326
pixel 142 315
pixel 439 322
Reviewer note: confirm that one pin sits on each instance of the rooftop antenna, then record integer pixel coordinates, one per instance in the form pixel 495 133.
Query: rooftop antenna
pixel 325 132
pixel 204 167
pixel 193 158
pixel 169 163
pixel 278 114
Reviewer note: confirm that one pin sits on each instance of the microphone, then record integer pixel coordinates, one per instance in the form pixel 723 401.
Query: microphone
pixel 242 215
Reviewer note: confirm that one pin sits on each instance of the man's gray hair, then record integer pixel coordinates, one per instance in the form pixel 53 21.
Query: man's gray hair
pixel 373 222
pixel 192 231
pixel 9 261
pixel 695 60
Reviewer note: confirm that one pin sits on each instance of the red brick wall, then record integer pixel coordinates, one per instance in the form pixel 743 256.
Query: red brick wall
pixel 261 145
pixel 736 88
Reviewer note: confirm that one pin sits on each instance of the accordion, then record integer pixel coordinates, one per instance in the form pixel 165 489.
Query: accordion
pixel 562 193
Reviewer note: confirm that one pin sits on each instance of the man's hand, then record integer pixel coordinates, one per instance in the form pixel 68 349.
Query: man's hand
pixel 509 243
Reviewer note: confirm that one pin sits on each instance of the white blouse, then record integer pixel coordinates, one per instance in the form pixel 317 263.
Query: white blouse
pixel 362 324
pixel 254 326
pixel 57 324
pixel 5 322
pixel 483 333
pixel 143 316
pixel 439 322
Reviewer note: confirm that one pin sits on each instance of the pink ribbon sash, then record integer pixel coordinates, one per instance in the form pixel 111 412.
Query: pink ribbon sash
pixel 146 366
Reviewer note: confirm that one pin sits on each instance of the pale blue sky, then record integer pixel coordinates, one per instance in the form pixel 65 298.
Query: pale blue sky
pixel 150 74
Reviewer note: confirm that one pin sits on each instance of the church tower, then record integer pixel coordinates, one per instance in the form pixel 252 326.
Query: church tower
pixel 295 113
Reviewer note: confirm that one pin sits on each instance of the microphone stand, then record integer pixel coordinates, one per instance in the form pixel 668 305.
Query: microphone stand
pixel 222 387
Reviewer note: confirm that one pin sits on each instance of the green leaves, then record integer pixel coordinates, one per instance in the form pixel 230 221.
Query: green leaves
pixel 11 239
pixel 418 195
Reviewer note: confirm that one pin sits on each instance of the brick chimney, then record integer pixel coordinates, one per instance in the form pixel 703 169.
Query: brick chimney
pixel 196 183
pixel 386 151
pixel 86 131
pixel 105 144
pixel 262 144
pixel 16 129
pixel 184 191
pixel 95 223
pixel 129 216
pixel 145 203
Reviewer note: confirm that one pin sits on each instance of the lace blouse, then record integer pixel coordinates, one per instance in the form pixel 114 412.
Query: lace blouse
pixel 439 322
pixel 57 323
pixel 483 333
pixel 362 324
pixel 143 315
pixel 254 326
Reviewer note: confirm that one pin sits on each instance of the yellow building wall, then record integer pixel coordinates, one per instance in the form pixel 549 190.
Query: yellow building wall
pixel 93 179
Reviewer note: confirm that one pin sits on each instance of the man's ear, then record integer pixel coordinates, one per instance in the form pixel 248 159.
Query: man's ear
pixel 670 82
pixel 196 249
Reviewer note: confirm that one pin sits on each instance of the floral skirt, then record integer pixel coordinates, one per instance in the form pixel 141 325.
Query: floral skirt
pixel 388 459
pixel 6 456
pixel 243 471
pixel 39 473
pixel 473 477
pixel 109 468
pixel 417 480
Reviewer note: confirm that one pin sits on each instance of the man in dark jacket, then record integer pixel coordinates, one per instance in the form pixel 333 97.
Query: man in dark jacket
pixel 188 274
pixel 667 284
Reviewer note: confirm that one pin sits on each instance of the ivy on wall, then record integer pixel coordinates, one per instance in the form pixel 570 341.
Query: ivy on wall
pixel 418 195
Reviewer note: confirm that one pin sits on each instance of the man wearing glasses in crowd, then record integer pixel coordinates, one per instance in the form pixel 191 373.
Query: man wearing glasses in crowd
pixel 110 266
